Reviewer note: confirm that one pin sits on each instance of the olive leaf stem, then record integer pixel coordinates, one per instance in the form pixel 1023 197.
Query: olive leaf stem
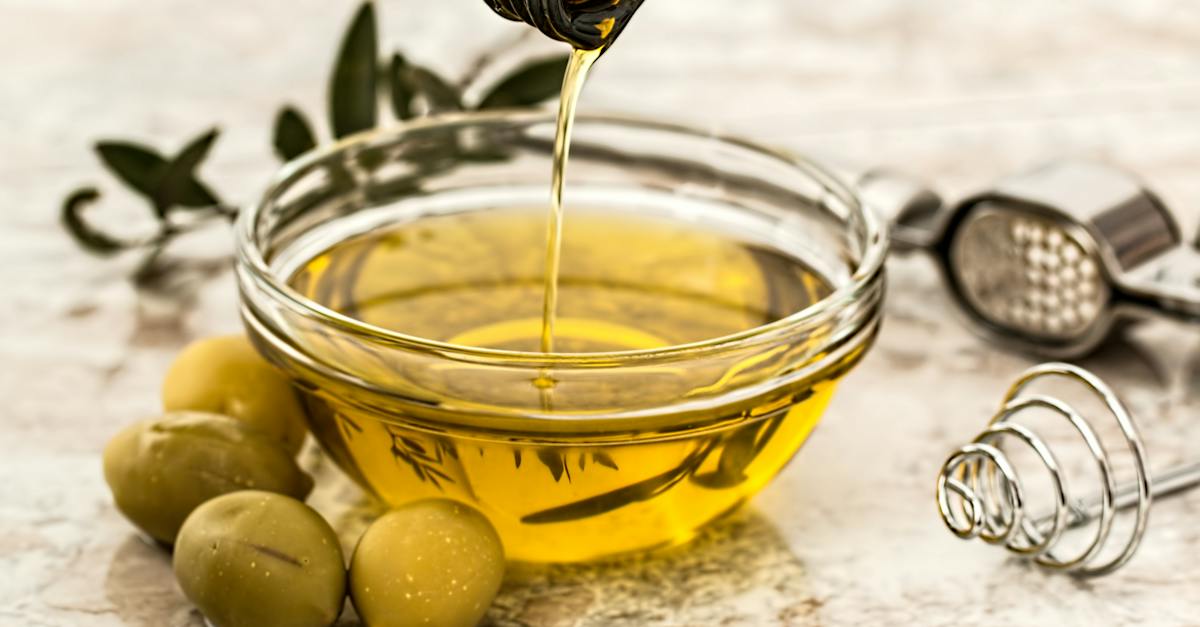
pixel 225 211
pixel 99 242
pixel 91 238
pixel 489 57
pixel 148 270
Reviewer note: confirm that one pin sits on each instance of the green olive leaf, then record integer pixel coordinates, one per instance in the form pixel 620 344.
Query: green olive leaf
pixel 89 237
pixel 438 94
pixel 529 85
pixel 353 99
pixel 140 167
pixel 410 81
pixel 179 185
pixel 293 134
pixel 164 183
pixel 401 92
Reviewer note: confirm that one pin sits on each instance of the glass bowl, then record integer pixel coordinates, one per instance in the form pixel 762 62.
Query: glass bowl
pixel 646 445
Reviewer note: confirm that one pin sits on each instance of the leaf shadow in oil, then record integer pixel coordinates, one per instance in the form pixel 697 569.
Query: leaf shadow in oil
pixel 616 499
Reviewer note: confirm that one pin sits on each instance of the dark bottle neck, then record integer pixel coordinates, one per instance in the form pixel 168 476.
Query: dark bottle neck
pixel 585 24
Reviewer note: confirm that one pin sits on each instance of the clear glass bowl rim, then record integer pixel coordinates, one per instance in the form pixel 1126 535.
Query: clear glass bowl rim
pixel 863 279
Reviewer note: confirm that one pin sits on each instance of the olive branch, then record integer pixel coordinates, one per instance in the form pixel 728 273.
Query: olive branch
pixel 362 86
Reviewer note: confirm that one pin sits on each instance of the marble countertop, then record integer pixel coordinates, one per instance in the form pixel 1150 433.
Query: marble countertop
pixel 959 93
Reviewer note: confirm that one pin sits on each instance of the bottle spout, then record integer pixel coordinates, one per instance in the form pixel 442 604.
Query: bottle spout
pixel 585 24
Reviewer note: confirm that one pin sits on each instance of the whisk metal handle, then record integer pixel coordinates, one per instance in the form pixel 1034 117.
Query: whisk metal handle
pixel 914 211
pixel 1169 483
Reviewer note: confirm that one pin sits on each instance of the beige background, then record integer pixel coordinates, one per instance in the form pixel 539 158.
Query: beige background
pixel 959 92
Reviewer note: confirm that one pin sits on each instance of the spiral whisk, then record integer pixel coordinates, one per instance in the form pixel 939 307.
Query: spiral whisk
pixel 980 493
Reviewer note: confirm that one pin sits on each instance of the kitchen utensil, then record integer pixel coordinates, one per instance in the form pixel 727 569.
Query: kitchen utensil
pixel 980 493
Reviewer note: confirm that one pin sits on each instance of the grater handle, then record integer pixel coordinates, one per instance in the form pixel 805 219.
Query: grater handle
pixel 1169 284
pixel 912 210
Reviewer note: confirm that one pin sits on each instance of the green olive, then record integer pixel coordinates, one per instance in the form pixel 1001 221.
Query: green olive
pixel 225 375
pixel 434 562
pixel 257 559
pixel 160 470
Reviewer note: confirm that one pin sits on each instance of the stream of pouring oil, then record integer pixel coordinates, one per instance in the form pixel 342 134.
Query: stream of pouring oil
pixel 577 70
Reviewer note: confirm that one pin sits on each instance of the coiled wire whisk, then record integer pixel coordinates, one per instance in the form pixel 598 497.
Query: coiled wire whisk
pixel 991 500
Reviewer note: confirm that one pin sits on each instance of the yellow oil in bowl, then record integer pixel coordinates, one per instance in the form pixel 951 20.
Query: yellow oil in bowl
pixel 699 335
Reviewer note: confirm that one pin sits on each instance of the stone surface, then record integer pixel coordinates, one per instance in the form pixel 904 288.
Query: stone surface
pixel 956 92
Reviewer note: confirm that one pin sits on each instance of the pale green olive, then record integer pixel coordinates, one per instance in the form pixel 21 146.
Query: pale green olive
pixel 225 375
pixel 257 559
pixel 160 470
pixel 435 562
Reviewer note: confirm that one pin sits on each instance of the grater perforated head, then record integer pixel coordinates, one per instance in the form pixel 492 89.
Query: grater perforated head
pixel 1028 272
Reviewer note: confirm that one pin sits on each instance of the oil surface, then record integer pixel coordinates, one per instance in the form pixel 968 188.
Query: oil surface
pixel 626 282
